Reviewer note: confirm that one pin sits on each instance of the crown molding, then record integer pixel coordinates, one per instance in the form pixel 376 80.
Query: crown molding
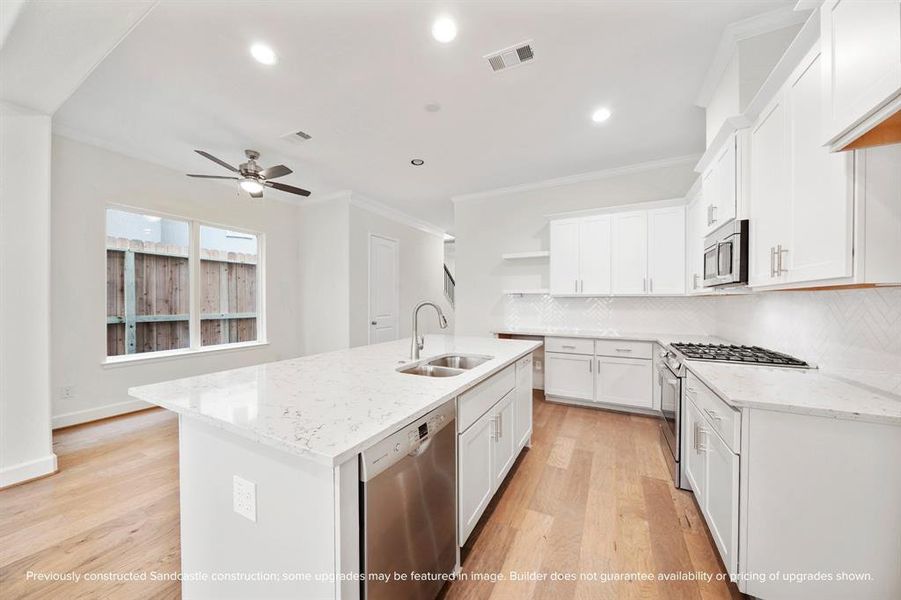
pixel 580 178
pixel 742 30
pixel 398 216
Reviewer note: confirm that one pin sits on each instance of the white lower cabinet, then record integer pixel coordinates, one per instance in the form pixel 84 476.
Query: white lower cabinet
pixel 721 506
pixel 475 477
pixel 504 449
pixel 625 381
pixel 488 447
pixel 569 375
pixel 712 469
pixel 522 414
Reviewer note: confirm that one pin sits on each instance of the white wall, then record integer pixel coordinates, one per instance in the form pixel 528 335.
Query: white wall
pixel 421 276
pixel 85 180
pixel 324 275
pixel 25 442
pixel 487 227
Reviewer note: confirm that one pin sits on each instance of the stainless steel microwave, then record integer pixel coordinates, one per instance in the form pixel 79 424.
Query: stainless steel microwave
pixel 726 255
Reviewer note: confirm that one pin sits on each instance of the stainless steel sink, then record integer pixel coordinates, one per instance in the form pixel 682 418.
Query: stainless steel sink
pixel 427 370
pixel 459 361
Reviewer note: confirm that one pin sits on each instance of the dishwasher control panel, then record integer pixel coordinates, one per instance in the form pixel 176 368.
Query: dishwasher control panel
pixel 407 440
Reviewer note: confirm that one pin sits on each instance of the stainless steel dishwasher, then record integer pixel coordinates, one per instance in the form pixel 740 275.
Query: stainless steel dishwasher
pixel 408 509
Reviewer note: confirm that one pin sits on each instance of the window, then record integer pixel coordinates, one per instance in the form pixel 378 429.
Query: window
pixel 150 262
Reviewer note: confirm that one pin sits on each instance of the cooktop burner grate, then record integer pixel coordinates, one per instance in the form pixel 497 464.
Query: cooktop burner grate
pixel 754 355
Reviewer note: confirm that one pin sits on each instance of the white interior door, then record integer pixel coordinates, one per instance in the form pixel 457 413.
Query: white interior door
pixel 383 289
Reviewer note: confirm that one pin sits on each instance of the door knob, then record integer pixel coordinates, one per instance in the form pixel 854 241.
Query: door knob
pixel 373 323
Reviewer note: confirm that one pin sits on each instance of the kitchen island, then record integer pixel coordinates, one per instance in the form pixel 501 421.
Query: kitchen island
pixel 286 437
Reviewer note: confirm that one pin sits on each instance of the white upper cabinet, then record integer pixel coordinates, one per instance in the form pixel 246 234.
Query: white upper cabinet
pixel 666 258
pixel 769 194
pixel 821 196
pixel 695 226
pixel 564 260
pixel 630 253
pixel 861 44
pixel 580 256
pixel 801 194
pixel 594 255
pixel 720 185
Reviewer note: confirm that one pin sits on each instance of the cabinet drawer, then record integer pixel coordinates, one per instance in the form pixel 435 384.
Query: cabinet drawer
pixel 623 348
pixel 722 417
pixel 569 345
pixel 474 403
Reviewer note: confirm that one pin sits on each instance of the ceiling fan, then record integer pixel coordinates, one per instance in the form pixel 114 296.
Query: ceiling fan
pixel 253 178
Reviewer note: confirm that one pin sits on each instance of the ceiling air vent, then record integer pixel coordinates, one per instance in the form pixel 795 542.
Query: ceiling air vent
pixel 513 56
pixel 297 136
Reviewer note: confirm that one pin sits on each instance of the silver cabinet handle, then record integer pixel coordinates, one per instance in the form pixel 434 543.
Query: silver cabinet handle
pixel 500 425
pixel 644 284
pixel 651 285
pixel 772 261
pixel 701 433
pixel 779 252
pixel 714 209
pixel 590 363
pixel 567 346
pixel 623 349
pixel 581 286
pixel 694 279
pixel 575 286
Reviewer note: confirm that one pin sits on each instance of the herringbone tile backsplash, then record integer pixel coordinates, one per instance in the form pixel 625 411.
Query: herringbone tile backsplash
pixel 853 333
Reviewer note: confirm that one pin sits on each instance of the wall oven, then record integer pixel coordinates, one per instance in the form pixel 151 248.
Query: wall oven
pixel 726 255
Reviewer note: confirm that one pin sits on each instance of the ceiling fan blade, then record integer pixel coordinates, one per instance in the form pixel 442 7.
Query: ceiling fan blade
pixel 276 171
pixel 257 195
pixel 216 160
pixel 212 176
pixel 286 188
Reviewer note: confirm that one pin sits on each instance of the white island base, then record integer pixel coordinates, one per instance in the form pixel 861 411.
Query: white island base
pixel 304 541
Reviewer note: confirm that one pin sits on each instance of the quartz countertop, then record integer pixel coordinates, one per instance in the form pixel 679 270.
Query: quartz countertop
pixel 328 407
pixel 804 391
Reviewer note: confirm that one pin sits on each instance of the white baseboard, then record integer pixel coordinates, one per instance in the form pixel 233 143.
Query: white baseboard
pixel 27 470
pixel 100 412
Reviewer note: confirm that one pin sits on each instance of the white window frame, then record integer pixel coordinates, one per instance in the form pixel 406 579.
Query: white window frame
pixel 194 298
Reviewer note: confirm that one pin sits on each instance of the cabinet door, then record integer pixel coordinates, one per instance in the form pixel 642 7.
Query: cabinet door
pixel 695 227
pixel 666 250
pixel 821 199
pixel 724 208
pixel 569 375
pixel 630 253
pixel 625 381
pixel 695 467
pixel 862 59
pixel 770 215
pixel 522 411
pixel 564 261
pixel 476 475
pixel 594 255
pixel 721 505
pixel 504 451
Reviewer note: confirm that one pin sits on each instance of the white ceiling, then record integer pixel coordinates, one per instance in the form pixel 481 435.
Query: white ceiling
pixel 356 76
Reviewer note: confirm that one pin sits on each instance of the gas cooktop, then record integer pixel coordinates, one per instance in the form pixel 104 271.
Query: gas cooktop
pixel 749 355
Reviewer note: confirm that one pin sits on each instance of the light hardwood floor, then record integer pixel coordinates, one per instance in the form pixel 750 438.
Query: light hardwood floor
pixel 592 495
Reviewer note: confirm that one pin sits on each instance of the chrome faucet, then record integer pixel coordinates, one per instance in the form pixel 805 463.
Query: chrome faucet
pixel 418 341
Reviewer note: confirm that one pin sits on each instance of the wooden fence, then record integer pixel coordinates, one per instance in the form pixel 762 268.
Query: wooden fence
pixel 148 297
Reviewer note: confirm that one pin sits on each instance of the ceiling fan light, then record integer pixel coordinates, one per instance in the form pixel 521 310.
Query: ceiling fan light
pixel 251 186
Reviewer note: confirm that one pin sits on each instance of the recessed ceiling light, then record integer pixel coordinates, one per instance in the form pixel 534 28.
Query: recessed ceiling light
pixel 432 107
pixel 600 115
pixel 417 162
pixel 263 54
pixel 444 29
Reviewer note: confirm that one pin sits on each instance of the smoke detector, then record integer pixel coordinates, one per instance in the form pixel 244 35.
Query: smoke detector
pixel 514 56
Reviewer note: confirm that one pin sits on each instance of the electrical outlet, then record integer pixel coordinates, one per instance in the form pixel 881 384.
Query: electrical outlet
pixel 67 392
pixel 244 498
